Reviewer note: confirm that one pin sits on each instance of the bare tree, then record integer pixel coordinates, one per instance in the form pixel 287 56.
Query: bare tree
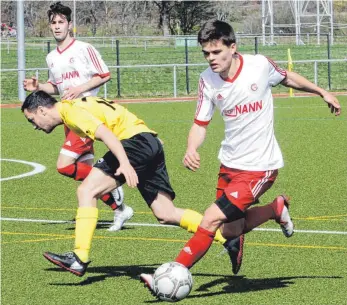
pixel 164 15
pixel 190 14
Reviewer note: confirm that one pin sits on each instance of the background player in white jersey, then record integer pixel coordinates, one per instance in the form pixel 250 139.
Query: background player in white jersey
pixel 240 87
pixel 76 69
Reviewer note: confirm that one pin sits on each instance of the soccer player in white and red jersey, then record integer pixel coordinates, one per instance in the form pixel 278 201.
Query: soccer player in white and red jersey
pixel 239 86
pixel 76 69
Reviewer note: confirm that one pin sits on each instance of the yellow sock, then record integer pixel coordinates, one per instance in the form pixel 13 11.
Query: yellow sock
pixel 191 220
pixel 86 220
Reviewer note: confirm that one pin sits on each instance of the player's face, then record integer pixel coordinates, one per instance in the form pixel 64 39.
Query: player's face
pixel 60 27
pixel 218 55
pixel 40 119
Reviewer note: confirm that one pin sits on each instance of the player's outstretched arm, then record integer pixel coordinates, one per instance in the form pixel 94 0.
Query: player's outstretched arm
pixel 196 137
pixel 104 134
pixel 75 92
pixel 298 82
pixel 32 84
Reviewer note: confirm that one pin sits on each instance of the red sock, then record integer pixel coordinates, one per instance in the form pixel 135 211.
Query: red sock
pixel 109 200
pixel 82 171
pixel 195 248
pixel 78 171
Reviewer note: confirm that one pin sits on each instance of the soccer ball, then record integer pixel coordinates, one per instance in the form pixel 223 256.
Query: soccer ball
pixel 172 282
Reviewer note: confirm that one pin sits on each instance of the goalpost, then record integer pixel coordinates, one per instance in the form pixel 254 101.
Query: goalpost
pixel 323 15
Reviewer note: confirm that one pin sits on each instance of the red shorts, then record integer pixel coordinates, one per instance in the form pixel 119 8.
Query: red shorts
pixel 243 188
pixel 75 146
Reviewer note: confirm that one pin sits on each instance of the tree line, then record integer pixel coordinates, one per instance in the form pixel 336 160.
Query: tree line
pixel 112 18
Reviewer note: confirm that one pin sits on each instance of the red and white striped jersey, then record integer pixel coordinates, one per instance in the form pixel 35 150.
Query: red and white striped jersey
pixel 75 65
pixel 246 105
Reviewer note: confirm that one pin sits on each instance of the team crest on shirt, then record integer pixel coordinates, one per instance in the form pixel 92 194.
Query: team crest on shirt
pixel 254 87
pixel 220 97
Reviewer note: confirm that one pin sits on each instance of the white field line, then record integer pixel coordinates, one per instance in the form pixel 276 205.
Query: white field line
pixel 38 168
pixel 135 224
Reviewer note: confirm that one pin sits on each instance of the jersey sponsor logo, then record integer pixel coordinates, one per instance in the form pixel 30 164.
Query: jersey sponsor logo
pixel 69 75
pixel 245 108
pixel 72 60
pixel 254 87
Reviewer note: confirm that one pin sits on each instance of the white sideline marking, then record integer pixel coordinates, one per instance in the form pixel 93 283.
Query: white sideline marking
pixel 170 226
pixel 38 168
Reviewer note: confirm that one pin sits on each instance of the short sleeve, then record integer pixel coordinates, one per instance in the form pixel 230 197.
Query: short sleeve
pixel 95 64
pixel 205 106
pixel 276 74
pixel 51 78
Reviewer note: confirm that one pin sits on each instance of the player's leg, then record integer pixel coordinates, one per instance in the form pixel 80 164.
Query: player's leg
pixel 278 209
pixel 201 241
pixel 157 191
pixel 75 160
pixel 234 243
pixel 166 212
pixel 96 184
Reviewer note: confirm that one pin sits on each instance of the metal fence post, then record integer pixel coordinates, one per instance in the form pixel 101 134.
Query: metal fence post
pixel 175 81
pixel 329 63
pixel 48 51
pixel 256 45
pixel 118 69
pixel 187 69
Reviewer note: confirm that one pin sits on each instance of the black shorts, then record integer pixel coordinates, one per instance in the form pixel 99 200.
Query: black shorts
pixel 146 155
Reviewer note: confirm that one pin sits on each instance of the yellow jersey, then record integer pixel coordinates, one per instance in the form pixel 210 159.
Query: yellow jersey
pixel 84 115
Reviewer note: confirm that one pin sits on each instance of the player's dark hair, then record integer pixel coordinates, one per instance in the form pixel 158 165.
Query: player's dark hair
pixel 217 30
pixel 36 99
pixel 59 9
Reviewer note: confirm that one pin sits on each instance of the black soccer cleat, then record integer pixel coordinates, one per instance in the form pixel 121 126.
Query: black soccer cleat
pixel 234 247
pixel 68 261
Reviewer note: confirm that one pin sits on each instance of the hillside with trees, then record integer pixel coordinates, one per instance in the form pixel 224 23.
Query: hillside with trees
pixel 114 18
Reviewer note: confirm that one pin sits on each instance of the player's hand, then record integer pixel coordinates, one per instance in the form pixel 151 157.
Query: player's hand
pixel 333 103
pixel 72 93
pixel 191 160
pixel 31 84
pixel 129 173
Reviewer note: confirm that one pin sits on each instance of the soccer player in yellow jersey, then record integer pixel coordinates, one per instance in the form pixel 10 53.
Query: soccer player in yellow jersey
pixel 135 156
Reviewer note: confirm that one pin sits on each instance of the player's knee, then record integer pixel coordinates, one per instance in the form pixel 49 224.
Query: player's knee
pixel 211 218
pixel 85 192
pixel 68 171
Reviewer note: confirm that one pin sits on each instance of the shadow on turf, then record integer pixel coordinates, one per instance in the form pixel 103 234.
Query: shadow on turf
pixel 230 284
pixel 240 284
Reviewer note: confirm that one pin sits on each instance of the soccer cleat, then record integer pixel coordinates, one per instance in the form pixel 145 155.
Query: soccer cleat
pixel 147 279
pixel 234 247
pixel 283 217
pixel 68 261
pixel 121 215
pixel 118 195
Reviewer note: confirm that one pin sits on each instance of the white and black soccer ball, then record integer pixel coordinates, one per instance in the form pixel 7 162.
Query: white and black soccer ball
pixel 172 282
